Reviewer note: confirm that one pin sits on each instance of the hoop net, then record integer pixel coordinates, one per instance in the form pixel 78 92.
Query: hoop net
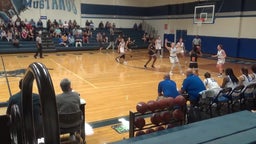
pixel 200 21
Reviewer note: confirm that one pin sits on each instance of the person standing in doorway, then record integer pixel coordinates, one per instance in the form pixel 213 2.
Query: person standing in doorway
pixel 39 46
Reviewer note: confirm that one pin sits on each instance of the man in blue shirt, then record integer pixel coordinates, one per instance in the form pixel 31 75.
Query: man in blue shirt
pixel 167 87
pixel 192 85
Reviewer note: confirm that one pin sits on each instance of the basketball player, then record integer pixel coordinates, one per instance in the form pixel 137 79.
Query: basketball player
pixel 181 47
pixel 158 44
pixel 193 59
pixel 173 56
pixel 221 55
pixel 151 53
pixel 121 51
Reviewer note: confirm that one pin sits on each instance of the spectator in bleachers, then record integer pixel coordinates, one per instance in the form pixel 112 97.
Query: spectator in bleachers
pixel 60 25
pixel 16 33
pixel 140 27
pixel 87 24
pixel 74 23
pixel 30 34
pixel 16 42
pixel 99 39
pixel 51 30
pixel 85 37
pixel 56 24
pixel 64 38
pixel 78 40
pixel 65 27
pixel 101 25
pixel 39 24
pixel 24 34
pixel 9 35
pixel 107 25
pixel 32 22
pixel 229 80
pixel 57 32
pixel 71 39
pixel 18 23
pixel 104 38
pixel 91 25
pixel 48 24
pixel 61 42
pixel 3 35
pixel 135 26
pixel 114 26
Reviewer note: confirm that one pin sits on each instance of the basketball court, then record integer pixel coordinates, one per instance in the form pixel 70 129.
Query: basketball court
pixel 110 89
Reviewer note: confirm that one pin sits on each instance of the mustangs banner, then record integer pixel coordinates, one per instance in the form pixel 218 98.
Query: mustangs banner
pixel 9 8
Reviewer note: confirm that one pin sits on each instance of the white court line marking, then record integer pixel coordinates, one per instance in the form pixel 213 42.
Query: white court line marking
pixel 74 74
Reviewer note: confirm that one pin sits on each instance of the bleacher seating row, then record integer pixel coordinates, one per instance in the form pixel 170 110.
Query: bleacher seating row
pixel 30 46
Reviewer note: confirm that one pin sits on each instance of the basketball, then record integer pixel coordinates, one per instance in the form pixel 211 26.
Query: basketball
pixel 152 105
pixel 159 128
pixel 169 102
pixel 156 119
pixel 150 131
pixel 162 103
pixel 142 107
pixel 139 133
pixel 139 122
pixel 169 126
pixel 180 101
pixel 178 114
pixel 166 116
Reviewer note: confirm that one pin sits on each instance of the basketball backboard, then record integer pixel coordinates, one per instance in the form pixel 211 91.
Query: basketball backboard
pixel 204 14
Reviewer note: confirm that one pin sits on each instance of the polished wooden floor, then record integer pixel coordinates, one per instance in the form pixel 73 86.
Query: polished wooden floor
pixel 110 89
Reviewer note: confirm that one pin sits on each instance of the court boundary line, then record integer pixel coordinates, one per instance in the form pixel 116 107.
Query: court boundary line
pixel 91 84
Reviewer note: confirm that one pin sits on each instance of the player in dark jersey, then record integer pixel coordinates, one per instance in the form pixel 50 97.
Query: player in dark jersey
pixel 194 53
pixel 151 53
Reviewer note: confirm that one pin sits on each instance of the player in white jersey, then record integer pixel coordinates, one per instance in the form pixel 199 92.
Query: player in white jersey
pixel 181 47
pixel 221 55
pixel 245 79
pixel 173 56
pixel 209 82
pixel 121 51
pixel 158 45
pixel 253 74
pixel 212 87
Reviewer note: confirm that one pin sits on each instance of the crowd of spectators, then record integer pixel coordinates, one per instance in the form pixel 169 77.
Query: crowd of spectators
pixel 67 33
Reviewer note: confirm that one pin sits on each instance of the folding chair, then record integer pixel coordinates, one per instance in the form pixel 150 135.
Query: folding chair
pixel 220 98
pixel 248 94
pixel 235 96
pixel 70 123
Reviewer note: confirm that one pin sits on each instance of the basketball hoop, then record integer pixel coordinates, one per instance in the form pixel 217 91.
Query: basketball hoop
pixel 200 21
